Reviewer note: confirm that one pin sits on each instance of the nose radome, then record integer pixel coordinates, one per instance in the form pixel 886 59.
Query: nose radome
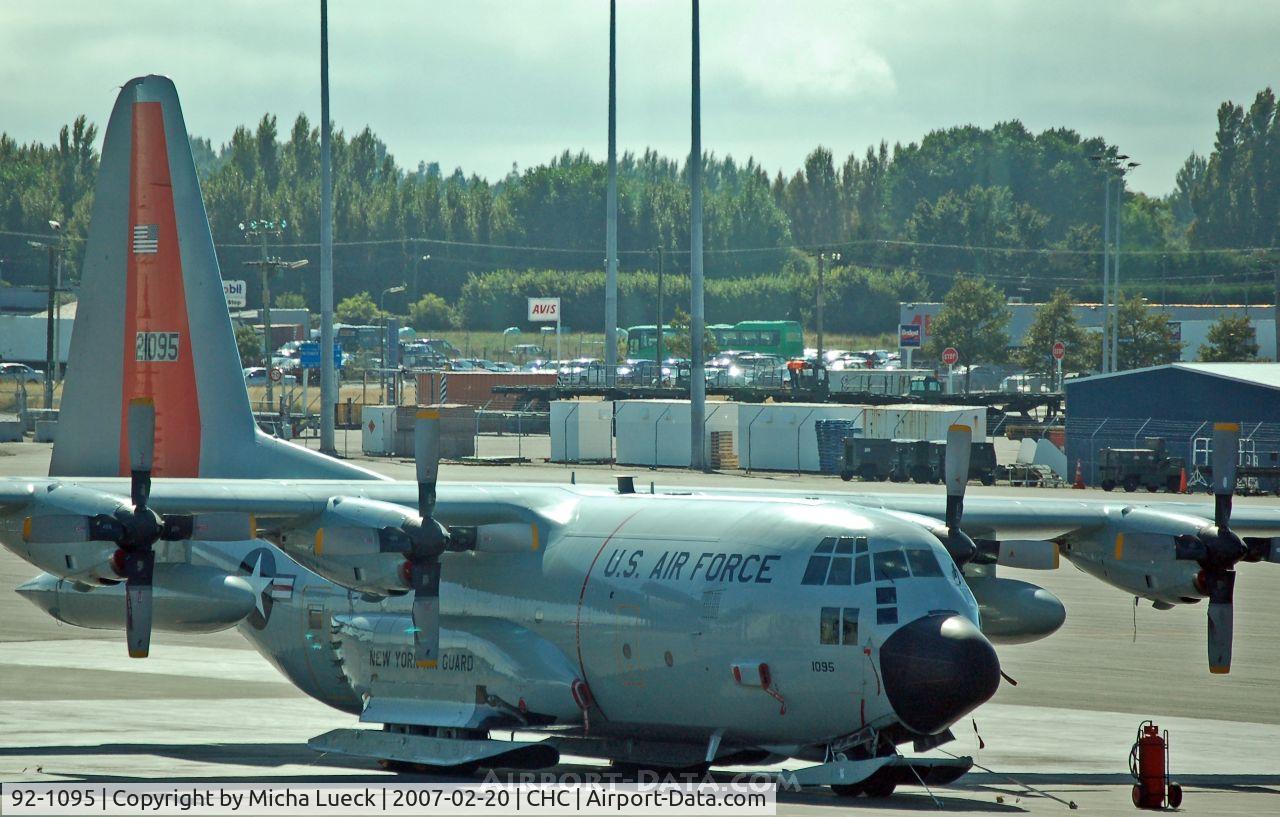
pixel 937 669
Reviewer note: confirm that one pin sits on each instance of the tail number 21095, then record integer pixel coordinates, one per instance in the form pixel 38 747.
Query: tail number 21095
pixel 156 346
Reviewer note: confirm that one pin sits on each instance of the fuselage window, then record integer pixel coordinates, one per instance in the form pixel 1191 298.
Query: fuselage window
pixel 829 626
pixel 890 564
pixel 887 615
pixel 849 627
pixel 887 594
pixel 923 563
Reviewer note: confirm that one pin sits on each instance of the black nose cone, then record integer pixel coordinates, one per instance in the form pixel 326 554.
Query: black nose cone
pixel 936 669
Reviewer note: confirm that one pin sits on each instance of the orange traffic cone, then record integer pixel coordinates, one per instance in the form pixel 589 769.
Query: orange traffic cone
pixel 1182 482
pixel 1079 483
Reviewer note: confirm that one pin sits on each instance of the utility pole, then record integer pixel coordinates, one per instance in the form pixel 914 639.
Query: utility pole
pixel 611 214
pixel 1106 274
pixel 328 372
pixel 697 375
pixel 658 351
pixel 1275 310
pixel 822 260
pixel 267 265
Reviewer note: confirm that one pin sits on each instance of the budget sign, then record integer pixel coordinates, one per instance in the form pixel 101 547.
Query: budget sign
pixel 544 309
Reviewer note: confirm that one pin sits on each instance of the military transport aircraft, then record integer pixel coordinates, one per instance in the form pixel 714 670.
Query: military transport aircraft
pixel 660 630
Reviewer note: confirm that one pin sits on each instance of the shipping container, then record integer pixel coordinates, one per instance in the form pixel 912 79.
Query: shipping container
pixel 581 431
pixel 657 433
pixel 476 388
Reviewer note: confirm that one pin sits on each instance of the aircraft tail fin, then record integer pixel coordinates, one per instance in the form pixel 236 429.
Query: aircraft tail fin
pixel 152 319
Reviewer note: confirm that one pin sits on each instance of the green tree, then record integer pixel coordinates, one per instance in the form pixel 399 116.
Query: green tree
pixel 680 346
pixel 1145 337
pixel 357 309
pixel 975 320
pixel 289 300
pixel 249 344
pixel 1055 320
pixel 432 312
pixel 1230 340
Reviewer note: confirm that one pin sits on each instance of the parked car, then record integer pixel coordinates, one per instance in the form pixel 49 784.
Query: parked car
pixel 20 372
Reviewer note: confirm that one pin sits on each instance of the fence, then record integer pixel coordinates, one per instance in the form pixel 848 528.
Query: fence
pixel 1086 436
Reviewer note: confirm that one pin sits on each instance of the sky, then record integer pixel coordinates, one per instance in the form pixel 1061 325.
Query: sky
pixel 486 85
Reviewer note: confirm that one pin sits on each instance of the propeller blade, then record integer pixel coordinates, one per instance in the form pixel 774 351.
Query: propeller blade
pixel 1226 458
pixel 142 443
pixel 56 528
pixel 425 578
pixel 956 467
pixel 139 574
pixel 1261 549
pixel 1221 614
pixel 426 458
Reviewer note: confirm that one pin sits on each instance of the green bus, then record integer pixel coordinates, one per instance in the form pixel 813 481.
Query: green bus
pixel 782 338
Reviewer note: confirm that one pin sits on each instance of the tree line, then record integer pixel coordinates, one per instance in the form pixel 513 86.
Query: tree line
pixel 1021 210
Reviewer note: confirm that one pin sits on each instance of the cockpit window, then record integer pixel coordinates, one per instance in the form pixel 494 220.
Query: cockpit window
pixel 826 545
pixel 923 562
pixel 841 571
pixel 816 571
pixel 844 545
pixel 862 569
pixel 890 565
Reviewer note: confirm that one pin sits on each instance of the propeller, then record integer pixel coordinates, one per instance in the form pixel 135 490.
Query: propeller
pixel 425 539
pixel 135 528
pixel 956 471
pixel 1217 549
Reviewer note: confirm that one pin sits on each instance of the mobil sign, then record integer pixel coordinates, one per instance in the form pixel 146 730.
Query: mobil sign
pixel 544 309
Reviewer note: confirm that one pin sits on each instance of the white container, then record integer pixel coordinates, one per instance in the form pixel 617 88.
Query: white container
pixel 581 431
pixel 916 422
pixel 656 432
pixel 783 436
pixel 378 430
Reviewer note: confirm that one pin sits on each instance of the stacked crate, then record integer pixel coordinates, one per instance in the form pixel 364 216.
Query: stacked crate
pixel 723 454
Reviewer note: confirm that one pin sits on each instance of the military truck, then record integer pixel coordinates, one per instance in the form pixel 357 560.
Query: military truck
pixel 982 461
pixel 895 460
pixel 1130 468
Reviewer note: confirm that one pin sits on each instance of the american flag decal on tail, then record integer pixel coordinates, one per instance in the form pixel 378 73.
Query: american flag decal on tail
pixel 146 239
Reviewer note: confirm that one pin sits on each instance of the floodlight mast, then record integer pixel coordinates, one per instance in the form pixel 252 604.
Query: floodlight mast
pixel 697 375
pixel 328 372
pixel 611 214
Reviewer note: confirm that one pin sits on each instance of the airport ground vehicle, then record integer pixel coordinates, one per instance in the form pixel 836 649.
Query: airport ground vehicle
pixel 20 372
pixel 982 461
pixel 917 460
pixel 1130 468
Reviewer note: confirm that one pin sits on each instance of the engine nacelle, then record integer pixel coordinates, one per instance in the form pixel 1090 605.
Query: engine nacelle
pixel 187 599
pixel 78 559
pixel 1135 552
pixel 348 545
pixel 1015 612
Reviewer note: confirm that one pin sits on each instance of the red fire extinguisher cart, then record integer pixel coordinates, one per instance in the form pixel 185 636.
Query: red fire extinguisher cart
pixel 1149 765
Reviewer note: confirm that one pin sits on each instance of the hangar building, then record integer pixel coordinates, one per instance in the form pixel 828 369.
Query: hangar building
pixel 1178 402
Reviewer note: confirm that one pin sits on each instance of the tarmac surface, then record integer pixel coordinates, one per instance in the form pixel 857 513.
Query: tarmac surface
pixel 206 707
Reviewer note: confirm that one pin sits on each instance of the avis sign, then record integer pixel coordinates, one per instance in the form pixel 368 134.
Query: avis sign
pixel 544 309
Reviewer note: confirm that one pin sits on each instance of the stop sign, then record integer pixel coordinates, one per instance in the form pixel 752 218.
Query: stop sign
pixel 1059 350
pixel 950 356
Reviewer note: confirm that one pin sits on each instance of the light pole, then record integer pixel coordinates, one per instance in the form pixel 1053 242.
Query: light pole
pixel 54 250
pixel 1115 273
pixel 823 257
pixel 611 214
pixel 417 291
pixel 328 372
pixel 697 368
pixel 382 302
